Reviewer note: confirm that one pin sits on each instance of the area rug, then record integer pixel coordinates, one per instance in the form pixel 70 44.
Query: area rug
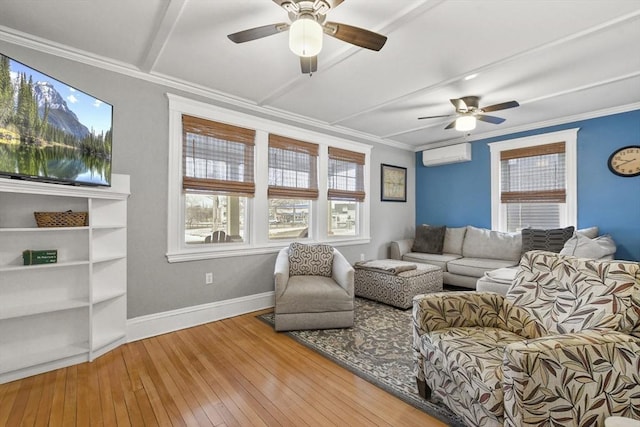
pixel 378 349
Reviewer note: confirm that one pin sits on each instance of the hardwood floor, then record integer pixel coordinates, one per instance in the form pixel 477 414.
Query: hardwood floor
pixel 234 372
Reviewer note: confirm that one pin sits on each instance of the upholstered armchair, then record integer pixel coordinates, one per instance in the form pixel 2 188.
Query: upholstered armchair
pixel 314 288
pixel 561 348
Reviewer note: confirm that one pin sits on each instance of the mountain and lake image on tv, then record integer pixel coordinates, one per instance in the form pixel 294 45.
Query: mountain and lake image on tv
pixel 51 131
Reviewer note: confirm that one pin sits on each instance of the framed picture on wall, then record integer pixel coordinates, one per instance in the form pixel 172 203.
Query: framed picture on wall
pixel 393 183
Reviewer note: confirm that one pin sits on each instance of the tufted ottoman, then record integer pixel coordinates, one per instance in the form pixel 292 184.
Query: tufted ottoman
pixel 395 282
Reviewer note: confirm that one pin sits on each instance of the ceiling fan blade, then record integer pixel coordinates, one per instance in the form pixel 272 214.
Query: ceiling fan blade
pixel 258 32
pixel 309 64
pixel 451 125
pixel 435 117
pixel 490 119
pixel 356 36
pixel 501 106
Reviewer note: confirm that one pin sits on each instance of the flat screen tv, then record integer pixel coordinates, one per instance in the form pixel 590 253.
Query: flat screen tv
pixel 51 131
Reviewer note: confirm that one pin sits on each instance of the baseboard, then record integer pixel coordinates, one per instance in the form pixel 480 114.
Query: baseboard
pixel 169 321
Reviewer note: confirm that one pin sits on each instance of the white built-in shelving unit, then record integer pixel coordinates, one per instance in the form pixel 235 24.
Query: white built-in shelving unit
pixel 72 311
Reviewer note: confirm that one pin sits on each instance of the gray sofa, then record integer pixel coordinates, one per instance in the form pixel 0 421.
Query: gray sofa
pixel 468 252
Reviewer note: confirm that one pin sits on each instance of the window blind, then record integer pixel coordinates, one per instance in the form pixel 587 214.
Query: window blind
pixel 293 169
pixel 346 175
pixel 533 174
pixel 217 157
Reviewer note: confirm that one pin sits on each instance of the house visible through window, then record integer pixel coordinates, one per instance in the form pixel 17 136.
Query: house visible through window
pixel 533 182
pixel 293 185
pixel 242 185
pixel 345 191
pixel 217 180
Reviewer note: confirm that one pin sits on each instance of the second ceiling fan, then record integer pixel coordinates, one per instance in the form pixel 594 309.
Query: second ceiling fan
pixel 308 24
pixel 468 111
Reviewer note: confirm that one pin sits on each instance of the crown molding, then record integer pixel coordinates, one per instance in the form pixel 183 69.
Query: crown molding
pixel 218 98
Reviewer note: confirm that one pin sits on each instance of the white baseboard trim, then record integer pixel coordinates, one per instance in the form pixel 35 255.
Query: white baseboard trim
pixel 169 321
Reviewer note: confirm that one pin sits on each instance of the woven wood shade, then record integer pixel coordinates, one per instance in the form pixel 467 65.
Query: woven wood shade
pixel 533 174
pixel 217 157
pixel 346 175
pixel 293 169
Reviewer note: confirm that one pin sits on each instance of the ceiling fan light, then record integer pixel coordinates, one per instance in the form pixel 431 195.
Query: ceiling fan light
pixel 465 123
pixel 305 37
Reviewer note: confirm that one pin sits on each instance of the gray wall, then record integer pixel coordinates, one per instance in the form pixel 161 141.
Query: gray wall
pixel 140 138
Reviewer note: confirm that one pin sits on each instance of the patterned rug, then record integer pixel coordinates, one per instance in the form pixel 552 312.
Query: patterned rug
pixel 378 349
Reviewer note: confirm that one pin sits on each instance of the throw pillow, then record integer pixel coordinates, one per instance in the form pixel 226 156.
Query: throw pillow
pixel 584 247
pixel 453 240
pixel 310 260
pixel 429 239
pixel 590 232
pixel 551 240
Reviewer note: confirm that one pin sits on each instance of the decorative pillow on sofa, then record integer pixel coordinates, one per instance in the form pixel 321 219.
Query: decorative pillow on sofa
pixel 584 247
pixel 310 260
pixel 453 240
pixel 429 239
pixel 590 232
pixel 551 240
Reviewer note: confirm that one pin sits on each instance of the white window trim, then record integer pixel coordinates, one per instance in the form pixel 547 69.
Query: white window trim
pixel 257 208
pixel 570 137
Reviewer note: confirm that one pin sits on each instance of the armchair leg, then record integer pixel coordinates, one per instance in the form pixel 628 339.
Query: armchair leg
pixel 423 389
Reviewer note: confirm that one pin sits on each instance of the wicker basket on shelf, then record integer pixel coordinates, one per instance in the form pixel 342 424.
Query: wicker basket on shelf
pixel 61 219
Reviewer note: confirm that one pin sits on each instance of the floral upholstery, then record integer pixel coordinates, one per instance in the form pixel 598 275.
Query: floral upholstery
pixel 562 347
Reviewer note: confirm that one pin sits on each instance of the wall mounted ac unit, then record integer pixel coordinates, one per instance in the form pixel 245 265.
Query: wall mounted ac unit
pixel 445 155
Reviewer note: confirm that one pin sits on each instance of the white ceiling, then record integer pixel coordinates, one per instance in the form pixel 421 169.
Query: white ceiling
pixel 561 59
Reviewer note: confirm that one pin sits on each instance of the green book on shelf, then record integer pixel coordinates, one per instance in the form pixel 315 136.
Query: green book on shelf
pixel 40 257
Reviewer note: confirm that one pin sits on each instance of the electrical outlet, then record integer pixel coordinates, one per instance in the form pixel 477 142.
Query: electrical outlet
pixel 208 278
pixel 361 257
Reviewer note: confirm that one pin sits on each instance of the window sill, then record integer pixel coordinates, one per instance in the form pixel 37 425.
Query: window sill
pixel 199 254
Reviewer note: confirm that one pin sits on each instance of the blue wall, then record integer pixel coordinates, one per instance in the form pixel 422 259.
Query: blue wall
pixel 460 194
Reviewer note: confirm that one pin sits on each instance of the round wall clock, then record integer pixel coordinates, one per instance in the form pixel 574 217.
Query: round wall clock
pixel 625 161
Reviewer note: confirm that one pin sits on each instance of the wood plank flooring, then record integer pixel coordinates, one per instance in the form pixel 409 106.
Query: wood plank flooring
pixel 234 372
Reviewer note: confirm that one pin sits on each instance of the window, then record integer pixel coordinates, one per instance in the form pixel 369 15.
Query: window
pixel 217 166
pixel 239 184
pixel 293 184
pixel 534 182
pixel 345 191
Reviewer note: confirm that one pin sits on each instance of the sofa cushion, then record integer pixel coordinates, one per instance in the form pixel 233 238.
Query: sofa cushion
pixel 429 239
pixel 453 240
pixel 502 275
pixel 310 260
pixel 433 259
pixel 584 247
pixel 476 267
pixel 313 294
pixel 483 243
pixel 551 240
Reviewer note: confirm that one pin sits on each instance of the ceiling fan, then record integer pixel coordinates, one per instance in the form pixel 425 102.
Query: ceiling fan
pixel 468 112
pixel 308 23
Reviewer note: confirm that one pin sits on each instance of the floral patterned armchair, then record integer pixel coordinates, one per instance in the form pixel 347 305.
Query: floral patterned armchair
pixel 561 348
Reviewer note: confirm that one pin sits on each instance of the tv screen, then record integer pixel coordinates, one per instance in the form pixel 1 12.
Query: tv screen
pixel 51 131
